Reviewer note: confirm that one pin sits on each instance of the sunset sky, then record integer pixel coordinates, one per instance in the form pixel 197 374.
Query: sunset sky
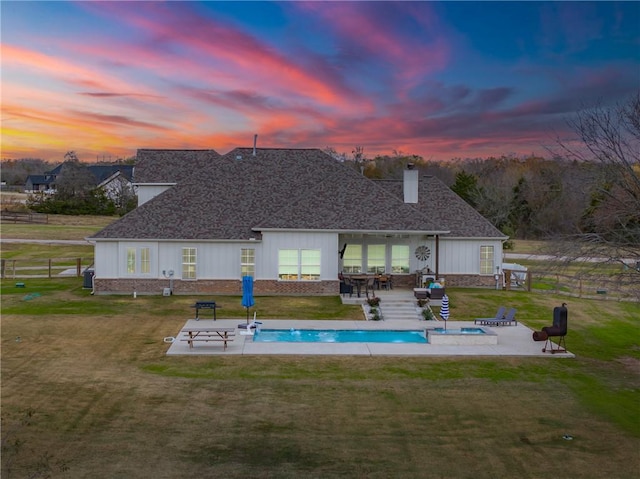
pixel 438 79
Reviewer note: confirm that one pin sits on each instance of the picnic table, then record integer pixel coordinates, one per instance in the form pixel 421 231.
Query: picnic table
pixel 208 333
pixel 204 305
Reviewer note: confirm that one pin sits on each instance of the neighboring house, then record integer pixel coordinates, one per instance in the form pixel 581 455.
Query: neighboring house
pixel 113 179
pixel 39 183
pixel 43 183
pixel 291 218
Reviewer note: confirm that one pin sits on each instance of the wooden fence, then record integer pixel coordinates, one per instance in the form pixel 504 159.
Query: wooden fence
pixel 621 287
pixel 44 268
pixel 14 217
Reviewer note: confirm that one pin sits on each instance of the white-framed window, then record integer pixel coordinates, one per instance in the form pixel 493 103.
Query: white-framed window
pixel 352 259
pixel 399 258
pixel 376 258
pixel 131 261
pixel 310 265
pixel 299 265
pixel 288 264
pixel 145 261
pixel 247 262
pixel 486 260
pixel 138 260
pixel 189 263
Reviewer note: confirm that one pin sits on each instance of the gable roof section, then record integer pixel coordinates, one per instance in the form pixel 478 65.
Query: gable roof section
pixel 170 166
pixel 445 207
pixel 235 195
pixel 103 172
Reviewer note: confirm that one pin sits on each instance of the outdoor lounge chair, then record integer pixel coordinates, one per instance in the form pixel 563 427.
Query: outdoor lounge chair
pixel 508 320
pixel 499 315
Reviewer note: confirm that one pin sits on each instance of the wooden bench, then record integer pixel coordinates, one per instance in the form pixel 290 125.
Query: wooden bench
pixel 205 334
pixel 204 305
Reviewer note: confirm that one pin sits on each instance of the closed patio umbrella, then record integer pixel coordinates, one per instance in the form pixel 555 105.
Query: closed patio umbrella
pixel 444 310
pixel 247 293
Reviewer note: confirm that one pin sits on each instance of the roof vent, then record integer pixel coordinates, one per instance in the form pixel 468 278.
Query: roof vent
pixel 255 141
pixel 238 157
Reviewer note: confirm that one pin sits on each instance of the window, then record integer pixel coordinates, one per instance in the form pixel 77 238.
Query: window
pixel 376 258
pixel 299 265
pixel 288 264
pixel 352 259
pixel 145 261
pixel 399 258
pixel 138 261
pixel 247 262
pixel 188 263
pixel 310 264
pixel 486 259
pixel 131 261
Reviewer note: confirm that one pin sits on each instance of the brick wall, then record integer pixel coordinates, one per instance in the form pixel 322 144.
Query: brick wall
pixel 266 287
pixel 231 287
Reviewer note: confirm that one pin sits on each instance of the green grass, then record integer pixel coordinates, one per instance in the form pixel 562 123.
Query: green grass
pixel 110 403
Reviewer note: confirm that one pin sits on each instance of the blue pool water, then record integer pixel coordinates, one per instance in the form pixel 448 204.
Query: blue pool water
pixel 459 331
pixel 338 336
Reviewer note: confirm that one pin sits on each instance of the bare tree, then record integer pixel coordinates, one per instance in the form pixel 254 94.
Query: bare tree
pixel 610 226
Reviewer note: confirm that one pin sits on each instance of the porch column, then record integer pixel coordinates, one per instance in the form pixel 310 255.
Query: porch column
pixel 437 253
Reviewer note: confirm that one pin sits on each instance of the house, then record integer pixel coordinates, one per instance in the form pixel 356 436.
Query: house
pixel 45 183
pixel 291 218
pixel 114 179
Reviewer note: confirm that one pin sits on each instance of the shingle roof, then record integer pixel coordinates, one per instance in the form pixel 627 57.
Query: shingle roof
pixel 102 172
pixel 234 195
pixel 447 208
pixel 170 166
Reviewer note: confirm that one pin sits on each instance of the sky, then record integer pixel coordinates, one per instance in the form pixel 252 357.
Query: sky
pixel 440 80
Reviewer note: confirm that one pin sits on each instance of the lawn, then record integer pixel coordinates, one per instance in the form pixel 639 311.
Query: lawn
pixel 104 400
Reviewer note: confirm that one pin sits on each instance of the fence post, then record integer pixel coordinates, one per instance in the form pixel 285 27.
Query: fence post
pixel 78 266
pixel 3 264
pixel 14 269
pixel 49 268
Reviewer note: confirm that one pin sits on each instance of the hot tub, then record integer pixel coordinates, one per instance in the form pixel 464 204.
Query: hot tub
pixel 462 336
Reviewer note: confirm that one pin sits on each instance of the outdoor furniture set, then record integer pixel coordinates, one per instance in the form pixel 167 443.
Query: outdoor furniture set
pixel 207 334
pixel 350 284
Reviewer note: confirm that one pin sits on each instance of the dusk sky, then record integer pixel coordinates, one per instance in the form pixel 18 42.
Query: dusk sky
pixel 437 79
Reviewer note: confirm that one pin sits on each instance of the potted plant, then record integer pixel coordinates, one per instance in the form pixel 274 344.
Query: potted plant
pixel 373 301
pixel 375 314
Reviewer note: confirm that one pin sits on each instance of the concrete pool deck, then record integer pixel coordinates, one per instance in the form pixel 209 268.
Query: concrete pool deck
pixel 512 340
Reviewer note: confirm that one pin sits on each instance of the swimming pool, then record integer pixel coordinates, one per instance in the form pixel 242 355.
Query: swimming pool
pixel 338 336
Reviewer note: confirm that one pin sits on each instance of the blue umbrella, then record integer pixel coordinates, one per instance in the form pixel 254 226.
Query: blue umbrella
pixel 247 293
pixel 444 310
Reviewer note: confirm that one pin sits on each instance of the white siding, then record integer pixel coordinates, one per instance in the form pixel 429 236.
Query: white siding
pixel 327 243
pixel 461 256
pixel 222 260
pixel 106 259
pixel 148 192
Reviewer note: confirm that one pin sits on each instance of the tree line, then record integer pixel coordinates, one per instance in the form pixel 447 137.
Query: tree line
pixel 585 196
